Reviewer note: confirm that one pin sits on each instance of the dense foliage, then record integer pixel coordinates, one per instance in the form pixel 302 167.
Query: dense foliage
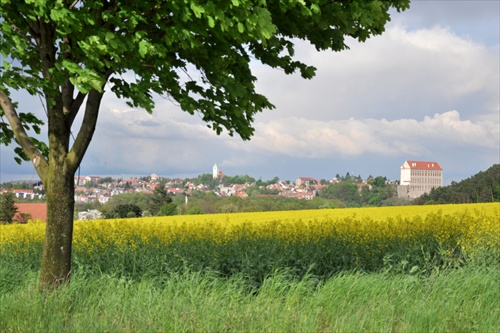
pixel 376 192
pixel 127 210
pixel 209 203
pixel 482 187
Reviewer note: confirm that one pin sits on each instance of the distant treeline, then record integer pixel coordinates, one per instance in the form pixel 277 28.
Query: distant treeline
pixel 482 187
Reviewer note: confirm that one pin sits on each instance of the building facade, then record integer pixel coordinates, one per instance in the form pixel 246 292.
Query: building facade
pixel 419 177
pixel 307 181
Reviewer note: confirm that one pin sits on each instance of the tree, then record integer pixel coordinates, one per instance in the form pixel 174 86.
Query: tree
pixel 25 217
pixel 168 209
pixel 127 210
pixel 159 199
pixel 8 207
pixel 67 51
pixel 344 191
pixel 139 199
pixel 105 180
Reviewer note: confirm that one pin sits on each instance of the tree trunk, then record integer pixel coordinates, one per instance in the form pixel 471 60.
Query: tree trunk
pixel 56 259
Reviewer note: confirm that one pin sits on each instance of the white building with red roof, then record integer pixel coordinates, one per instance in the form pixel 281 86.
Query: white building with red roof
pixel 419 177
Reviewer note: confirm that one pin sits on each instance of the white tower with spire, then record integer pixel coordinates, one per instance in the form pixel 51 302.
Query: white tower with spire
pixel 215 171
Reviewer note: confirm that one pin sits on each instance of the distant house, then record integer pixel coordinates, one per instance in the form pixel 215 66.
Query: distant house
pixel 226 191
pixel 131 181
pixel 24 194
pixel 93 214
pixel 80 181
pixel 334 180
pixel 81 189
pixel 419 177
pixel 305 195
pixel 85 198
pixel 298 195
pixel 360 186
pixel 175 191
pixel 103 199
pixel 93 179
pixel 242 195
pixel 307 181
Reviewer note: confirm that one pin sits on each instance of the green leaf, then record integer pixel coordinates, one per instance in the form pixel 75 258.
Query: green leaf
pixel 197 9
pixel 211 21
pixel 143 48
pixel 21 155
pixel 95 83
pixel 267 28
pixel 71 66
pixel 315 9
pixel 241 27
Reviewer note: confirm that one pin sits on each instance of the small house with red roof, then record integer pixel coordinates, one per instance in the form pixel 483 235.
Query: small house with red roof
pixel 24 194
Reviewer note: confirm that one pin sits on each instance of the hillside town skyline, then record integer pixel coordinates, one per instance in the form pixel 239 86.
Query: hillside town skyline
pixel 416 178
pixel 92 192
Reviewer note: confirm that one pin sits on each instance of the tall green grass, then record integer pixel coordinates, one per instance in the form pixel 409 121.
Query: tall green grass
pixel 134 248
pixel 260 283
pixel 460 300
pixel 257 257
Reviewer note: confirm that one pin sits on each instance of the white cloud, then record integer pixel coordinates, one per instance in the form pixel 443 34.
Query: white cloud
pixel 301 137
pixel 399 74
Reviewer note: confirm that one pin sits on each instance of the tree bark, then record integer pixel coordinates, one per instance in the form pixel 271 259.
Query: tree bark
pixel 56 258
pixel 60 190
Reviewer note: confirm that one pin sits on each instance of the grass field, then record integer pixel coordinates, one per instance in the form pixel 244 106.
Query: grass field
pixel 456 301
pixel 396 269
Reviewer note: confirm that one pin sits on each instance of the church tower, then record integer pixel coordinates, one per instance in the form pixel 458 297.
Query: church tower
pixel 215 171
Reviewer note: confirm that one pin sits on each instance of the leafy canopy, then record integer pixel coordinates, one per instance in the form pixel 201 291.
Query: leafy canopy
pixel 197 52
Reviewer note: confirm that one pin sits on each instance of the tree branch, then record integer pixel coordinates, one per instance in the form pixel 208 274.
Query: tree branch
pixel 75 107
pixel 40 163
pixel 33 28
pixel 73 4
pixel 86 132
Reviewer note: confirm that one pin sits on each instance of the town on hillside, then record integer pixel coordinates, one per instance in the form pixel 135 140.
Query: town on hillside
pixel 416 178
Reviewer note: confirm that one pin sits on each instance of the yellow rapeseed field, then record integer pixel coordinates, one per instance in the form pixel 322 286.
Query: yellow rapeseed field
pixel 468 225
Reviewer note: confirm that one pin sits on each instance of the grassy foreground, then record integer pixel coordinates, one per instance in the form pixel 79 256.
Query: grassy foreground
pixel 400 269
pixel 460 300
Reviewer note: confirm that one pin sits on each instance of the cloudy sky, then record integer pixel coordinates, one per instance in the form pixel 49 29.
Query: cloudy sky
pixel 428 89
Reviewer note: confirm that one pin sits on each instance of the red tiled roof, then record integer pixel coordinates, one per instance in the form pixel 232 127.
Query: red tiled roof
pixel 424 165
pixel 37 210
pixel 23 191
